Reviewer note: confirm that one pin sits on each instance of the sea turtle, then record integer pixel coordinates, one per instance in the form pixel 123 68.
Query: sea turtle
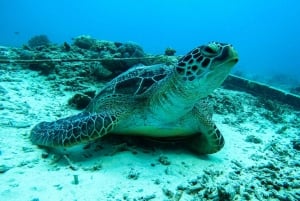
pixel 157 101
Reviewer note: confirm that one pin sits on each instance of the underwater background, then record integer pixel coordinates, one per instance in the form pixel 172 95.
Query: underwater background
pixel 265 33
pixel 90 44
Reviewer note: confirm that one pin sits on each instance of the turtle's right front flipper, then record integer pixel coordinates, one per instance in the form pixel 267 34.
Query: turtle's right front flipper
pixel 72 130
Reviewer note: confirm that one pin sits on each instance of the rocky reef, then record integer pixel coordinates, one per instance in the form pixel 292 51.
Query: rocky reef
pixel 85 56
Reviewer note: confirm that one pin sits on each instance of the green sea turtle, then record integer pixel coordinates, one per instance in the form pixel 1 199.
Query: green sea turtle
pixel 157 101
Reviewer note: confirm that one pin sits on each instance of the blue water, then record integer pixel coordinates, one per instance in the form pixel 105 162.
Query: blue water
pixel 266 33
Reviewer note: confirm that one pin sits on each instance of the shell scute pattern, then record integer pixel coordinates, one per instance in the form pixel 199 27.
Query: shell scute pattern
pixel 136 82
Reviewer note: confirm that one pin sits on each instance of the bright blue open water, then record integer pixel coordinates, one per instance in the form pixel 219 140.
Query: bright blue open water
pixel 266 33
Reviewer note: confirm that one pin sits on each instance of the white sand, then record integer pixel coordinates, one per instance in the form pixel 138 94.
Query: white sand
pixel 241 169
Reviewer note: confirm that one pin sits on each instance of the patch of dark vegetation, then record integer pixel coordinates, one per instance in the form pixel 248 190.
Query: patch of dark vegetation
pixel 38 41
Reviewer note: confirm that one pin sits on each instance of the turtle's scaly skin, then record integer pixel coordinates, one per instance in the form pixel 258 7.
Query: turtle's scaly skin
pixel 156 101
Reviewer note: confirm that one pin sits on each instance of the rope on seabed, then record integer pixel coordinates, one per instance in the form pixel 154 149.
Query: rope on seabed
pixel 34 61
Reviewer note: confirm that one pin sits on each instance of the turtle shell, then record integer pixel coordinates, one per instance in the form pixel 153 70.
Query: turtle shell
pixel 135 84
pixel 136 81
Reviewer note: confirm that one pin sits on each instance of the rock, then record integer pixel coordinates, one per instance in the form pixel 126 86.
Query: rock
pixel 253 139
pixel 170 51
pixel 226 193
pixel 168 193
pixel 79 101
pixel 39 40
pixel 104 48
pixel 26 54
pixel 4 168
pixel 84 42
pixel 99 71
pixel 45 67
pixel 282 129
pixel 45 155
pixel 147 197
pixel 295 90
pixel 125 50
pixel 164 160
pixel 296 144
pixel 130 50
pixel 3 91
pixel 133 174
pixel 66 47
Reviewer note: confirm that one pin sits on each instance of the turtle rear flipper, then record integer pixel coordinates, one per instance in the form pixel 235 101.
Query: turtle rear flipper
pixel 72 130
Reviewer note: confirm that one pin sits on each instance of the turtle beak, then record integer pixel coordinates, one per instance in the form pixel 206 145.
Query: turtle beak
pixel 234 56
pixel 229 57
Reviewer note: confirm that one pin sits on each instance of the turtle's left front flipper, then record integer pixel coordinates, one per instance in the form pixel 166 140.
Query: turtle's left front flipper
pixel 209 139
pixel 72 130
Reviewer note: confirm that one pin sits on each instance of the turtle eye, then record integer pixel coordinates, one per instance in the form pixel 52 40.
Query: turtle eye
pixel 209 50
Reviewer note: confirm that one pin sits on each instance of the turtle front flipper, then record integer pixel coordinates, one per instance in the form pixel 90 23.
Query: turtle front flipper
pixel 72 130
pixel 206 142
pixel 208 139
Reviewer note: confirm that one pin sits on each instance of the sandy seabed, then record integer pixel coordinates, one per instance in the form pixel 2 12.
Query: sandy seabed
pixel 260 160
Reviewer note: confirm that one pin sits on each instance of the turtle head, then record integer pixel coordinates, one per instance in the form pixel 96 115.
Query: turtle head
pixel 206 66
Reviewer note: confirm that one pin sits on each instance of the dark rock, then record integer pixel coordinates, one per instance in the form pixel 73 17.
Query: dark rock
pixel 168 193
pixel 164 160
pixel 130 50
pixel 223 194
pixel 296 144
pixel 118 44
pixel 99 71
pixel 44 67
pixel 4 168
pixel 79 101
pixel 295 90
pixel 37 41
pixel 26 47
pixel 147 197
pixel 51 77
pixel 3 91
pixel 133 174
pixel 84 42
pixel 45 155
pixel 170 51
pixel 253 139
pixel 26 54
pixel 282 129
pixel 66 47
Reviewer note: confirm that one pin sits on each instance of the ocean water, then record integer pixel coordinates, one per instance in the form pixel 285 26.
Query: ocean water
pixel 260 159
pixel 266 33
